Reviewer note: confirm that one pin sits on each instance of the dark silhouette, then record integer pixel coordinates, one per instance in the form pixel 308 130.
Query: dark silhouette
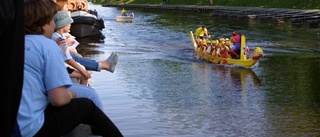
pixel 12 56
pixel 165 1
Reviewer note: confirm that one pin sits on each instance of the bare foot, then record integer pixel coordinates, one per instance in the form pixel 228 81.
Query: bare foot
pixel 110 63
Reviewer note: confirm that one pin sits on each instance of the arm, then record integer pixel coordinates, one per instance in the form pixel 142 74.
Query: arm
pixel 75 65
pixel 70 41
pixel 60 96
pixel 206 32
pixel 63 48
pixel 56 78
pixel 72 51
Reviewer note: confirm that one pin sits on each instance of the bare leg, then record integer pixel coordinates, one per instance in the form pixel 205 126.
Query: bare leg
pixel 105 65
pixel 110 63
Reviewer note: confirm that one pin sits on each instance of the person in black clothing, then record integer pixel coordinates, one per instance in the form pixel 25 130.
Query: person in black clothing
pixel 12 56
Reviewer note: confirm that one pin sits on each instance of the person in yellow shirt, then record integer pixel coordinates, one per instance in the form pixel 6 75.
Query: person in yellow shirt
pixel 123 12
pixel 201 34
pixel 202 31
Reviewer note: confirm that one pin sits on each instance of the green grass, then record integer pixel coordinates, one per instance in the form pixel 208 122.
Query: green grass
pixel 292 4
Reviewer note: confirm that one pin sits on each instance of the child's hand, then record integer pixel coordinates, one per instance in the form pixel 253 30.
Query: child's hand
pixel 86 74
pixel 61 42
pixel 70 41
pixel 58 41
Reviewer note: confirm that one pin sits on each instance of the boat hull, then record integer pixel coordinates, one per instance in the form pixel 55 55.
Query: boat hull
pixel 84 30
pixel 124 19
pixel 86 25
pixel 227 61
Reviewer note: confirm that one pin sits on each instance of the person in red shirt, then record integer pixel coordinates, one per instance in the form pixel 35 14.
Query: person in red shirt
pixel 236 40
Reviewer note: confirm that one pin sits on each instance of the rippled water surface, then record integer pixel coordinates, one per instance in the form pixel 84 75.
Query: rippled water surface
pixel 159 89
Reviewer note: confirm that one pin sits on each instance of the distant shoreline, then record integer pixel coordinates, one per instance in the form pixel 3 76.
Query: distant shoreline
pixel 292 15
pixel 190 7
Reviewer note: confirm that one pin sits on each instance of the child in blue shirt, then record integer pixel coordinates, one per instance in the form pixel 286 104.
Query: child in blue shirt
pixel 48 105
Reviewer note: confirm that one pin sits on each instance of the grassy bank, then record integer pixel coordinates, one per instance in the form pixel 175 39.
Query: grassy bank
pixel 292 4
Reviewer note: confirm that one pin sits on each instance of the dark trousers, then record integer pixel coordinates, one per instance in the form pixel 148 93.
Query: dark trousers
pixel 61 120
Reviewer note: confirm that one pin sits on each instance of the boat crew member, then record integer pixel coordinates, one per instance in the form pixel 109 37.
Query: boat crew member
pixel 224 50
pixel 123 12
pixel 236 40
pixel 201 34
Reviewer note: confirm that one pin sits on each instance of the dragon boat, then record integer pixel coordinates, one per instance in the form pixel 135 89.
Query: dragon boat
pixel 214 54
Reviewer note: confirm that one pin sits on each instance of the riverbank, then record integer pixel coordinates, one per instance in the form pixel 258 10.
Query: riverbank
pixel 295 16
pixel 293 4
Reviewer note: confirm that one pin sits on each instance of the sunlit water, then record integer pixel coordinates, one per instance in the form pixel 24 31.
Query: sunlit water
pixel 159 89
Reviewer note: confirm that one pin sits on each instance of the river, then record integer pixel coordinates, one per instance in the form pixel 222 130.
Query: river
pixel 159 89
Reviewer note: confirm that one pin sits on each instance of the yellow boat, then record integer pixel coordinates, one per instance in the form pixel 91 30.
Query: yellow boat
pixel 216 58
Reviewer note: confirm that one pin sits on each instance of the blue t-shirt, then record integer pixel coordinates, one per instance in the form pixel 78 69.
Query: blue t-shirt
pixel 44 70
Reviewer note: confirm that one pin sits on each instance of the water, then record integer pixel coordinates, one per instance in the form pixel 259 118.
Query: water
pixel 160 89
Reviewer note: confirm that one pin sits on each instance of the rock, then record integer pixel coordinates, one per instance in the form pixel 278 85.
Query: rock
pixel 81 130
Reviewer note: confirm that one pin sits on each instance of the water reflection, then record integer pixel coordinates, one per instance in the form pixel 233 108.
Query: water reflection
pixel 160 89
pixel 197 101
pixel 88 46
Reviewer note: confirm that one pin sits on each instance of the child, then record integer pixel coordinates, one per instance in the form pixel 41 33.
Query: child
pixel 49 104
pixel 89 64
pixel 63 23
pixel 71 41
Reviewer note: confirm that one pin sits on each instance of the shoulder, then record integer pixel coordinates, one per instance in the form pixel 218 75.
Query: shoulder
pixel 39 39
pixel 40 42
pixel 55 36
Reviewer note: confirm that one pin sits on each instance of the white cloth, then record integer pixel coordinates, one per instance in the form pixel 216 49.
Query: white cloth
pixel 55 36
pixel 75 44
